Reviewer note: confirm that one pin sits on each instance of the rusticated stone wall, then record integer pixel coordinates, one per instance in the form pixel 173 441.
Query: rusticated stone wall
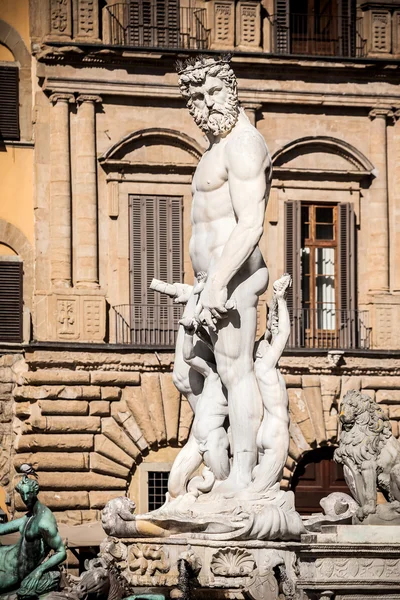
pixel 88 420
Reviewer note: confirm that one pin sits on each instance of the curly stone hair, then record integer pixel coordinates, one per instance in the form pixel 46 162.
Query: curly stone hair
pixel 194 71
pixel 370 432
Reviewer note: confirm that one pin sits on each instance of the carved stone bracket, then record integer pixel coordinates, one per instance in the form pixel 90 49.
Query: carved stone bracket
pixel 381 112
pixel 61 97
pixel 89 98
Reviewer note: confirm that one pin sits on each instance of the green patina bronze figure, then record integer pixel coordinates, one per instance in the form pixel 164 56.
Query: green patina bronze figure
pixel 23 568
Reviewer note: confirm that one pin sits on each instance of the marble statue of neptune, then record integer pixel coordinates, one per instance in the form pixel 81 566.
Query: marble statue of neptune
pixel 230 191
pixel 240 432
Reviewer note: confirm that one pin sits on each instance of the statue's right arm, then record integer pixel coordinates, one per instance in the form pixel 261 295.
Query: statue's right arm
pixel 12 526
pixel 282 336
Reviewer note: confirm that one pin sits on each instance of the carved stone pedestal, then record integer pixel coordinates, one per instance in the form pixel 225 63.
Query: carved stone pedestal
pixel 259 570
pixel 342 563
pixel 350 562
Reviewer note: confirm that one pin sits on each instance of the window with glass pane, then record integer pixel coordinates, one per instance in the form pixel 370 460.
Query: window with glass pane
pixel 318 263
pixel 157 488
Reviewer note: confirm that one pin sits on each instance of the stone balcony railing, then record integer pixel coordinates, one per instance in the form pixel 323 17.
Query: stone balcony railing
pixel 323 328
pixel 226 25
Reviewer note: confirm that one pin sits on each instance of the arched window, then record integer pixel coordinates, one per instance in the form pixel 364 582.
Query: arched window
pixel 316 476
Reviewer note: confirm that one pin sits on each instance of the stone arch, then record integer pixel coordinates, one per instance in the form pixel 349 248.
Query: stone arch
pixel 14 42
pixel 14 238
pixel 153 136
pixel 357 161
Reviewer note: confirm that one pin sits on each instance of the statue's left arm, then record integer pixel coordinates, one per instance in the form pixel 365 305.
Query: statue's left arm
pixel 247 163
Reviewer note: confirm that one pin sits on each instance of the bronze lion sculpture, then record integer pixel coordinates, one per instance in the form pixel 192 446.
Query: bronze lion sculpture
pixel 369 452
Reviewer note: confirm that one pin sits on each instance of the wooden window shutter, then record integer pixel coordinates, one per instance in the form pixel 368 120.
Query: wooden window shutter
pixel 11 301
pixel 154 23
pixel 347 274
pixel 9 103
pixel 293 266
pixel 156 251
pixel 282 27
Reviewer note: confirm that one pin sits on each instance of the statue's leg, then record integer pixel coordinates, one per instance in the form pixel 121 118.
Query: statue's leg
pixel 188 381
pixel 234 349
pixel 188 460
pixel 216 455
pixel 8 567
pixel 273 435
pixel 48 582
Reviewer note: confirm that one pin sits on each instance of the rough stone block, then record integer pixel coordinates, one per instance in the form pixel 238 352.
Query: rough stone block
pixel 47 461
pixel 292 380
pixel 63 407
pixel 100 408
pixel 381 383
pixel 46 441
pixel 298 405
pixel 350 383
pixel 171 401
pixel 388 396
pixel 57 377
pixel 122 416
pixel 59 500
pixel 151 391
pixel 395 428
pixel 6 391
pixel 22 409
pixel 107 448
pixel 113 431
pixel 138 407
pixel 310 381
pixel 80 481
pixel 76 517
pixel 120 378
pixel 70 424
pixel 330 385
pixel 110 393
pixel 101 464
pixel 99 499
pixel 48 392
pixel 394 411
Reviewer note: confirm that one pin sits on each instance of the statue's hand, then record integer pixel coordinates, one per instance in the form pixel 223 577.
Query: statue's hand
pixel 211 305
pixel 30 583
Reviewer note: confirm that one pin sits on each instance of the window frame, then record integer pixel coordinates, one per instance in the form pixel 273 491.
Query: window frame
pixel 144 469
pixel 314 333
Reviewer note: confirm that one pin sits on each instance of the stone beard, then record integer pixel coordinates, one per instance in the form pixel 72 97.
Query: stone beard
pixel 220 119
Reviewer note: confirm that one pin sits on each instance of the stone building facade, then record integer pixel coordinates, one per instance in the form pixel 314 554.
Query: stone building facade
pixel 86 390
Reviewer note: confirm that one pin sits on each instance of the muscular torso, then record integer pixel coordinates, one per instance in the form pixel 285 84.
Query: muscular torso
pixel 33 548
pixel 213 217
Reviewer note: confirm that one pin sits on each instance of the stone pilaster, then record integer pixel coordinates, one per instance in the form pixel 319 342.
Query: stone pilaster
pixel 251 109
pixel 378 218
pixel 394 201
pixel 85 248
pixel 60 191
